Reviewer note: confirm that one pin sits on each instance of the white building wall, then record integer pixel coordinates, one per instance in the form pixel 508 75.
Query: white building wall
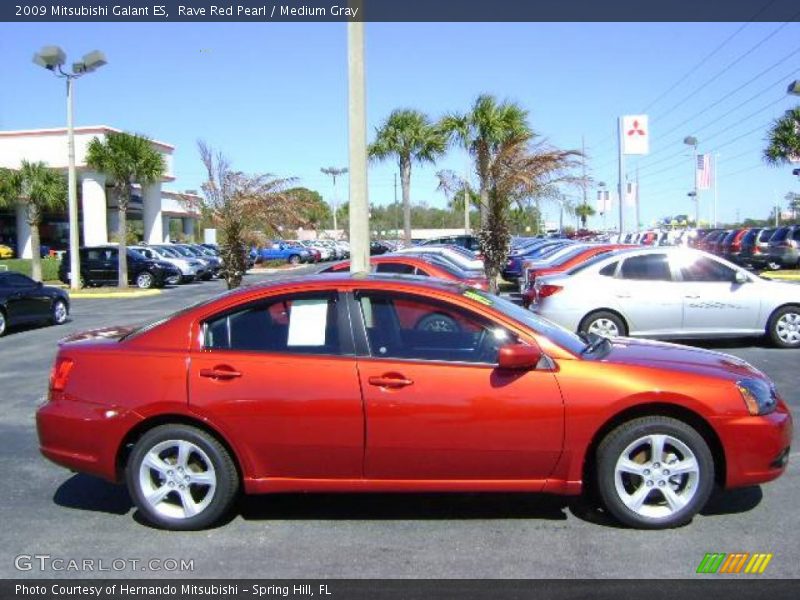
pixel 93 197
pixel 24 243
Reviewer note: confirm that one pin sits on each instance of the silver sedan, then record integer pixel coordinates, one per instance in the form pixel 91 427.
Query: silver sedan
pixel 665 293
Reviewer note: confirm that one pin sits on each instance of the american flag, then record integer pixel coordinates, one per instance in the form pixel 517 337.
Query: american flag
pixel 703 171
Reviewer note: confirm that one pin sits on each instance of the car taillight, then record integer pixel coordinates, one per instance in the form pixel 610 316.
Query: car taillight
pixel 756 250
pixel 548 290
pixel 60 375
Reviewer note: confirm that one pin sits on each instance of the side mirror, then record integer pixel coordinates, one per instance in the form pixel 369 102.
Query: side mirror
pixel 518 357
pixel 740 277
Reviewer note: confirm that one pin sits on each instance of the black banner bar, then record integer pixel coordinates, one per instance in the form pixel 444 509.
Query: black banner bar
pixel 713 588
pixel 399 10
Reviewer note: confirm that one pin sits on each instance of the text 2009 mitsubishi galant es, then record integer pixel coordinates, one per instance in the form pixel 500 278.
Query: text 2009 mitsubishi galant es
pixel 369 383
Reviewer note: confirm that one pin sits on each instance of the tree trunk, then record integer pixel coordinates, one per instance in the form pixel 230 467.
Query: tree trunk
pixel 36 265
pixel 405 183
pixel 122 233
pixel 495 238
pixel 483 176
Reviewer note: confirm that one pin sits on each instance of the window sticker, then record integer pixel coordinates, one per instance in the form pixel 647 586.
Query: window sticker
pixel 477 297
pixel 308 320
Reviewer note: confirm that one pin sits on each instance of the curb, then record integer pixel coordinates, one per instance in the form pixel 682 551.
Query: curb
pixel 112 295
pixel 787 276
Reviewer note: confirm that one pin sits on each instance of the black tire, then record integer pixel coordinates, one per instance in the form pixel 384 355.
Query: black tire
pixel 598 315
pixel 59 312
pixel 227 479
pixel 3 323
pixel 145 280
pixel 437 322
pixel 294 259
pixel 783 327
pixel 697 490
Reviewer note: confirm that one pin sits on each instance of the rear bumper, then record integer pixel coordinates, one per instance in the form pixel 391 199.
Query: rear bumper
pixel 756 448
pixel 83 437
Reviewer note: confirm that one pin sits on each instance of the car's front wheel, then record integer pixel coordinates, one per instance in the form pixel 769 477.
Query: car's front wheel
pixel 145 280
pixel 603 323
pixel 654 472
pixel 3 322
pixel 294 259
pixel 784 327
pixel 181 478
pixel 59 315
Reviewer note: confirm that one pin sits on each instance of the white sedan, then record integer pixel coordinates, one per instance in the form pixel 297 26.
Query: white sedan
pixel 675 293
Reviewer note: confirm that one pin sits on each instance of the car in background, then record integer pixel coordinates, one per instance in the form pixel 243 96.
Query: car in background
pixel 458 390
pixel 376 248
pixel 784 247
pixel 23 301
pixel 186 252
pixel 669 293
pixel 470 242
pixel 512 270
pixel 705 241
pixel 731 247
pixel 461 257
pixel 6 251
pixel 325 253
pixel 424 266
pixel 190 268
pixel 211 257
pixel 100 266
pixel 279 250
pixel 755 249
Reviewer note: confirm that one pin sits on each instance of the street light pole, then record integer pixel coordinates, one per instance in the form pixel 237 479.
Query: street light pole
pixel 53 58
pixel 334 172
pixel 692 141
pixel 359 201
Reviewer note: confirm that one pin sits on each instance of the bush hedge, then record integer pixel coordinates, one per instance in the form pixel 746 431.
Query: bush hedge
pixel 23 265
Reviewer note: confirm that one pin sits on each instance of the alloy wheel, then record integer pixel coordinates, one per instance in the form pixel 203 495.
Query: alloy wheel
pixel 177 479
pixel 144 280
pixel 656 476
pixel 2 323
pixel 59 312
pixel 603 327
pixel 787 328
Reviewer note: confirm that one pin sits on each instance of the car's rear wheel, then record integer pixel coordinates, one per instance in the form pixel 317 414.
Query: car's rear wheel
pixel 784 327
pixel 604 323
pixel 3 322
pixel 294 259
pixel 654 472
pixel 145 280
pixel 59 314
pixel 181 478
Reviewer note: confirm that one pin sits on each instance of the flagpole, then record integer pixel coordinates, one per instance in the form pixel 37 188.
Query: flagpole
pixel 621 186
pixel 716 191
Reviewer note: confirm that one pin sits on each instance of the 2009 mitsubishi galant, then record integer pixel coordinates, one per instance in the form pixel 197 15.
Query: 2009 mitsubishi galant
pixel 370 383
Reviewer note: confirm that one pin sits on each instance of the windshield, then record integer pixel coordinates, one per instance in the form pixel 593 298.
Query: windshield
pixel 563 337
pixel 184 251
pixel 168 252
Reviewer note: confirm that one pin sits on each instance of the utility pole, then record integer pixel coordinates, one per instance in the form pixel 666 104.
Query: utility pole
pixel 621 185
pixel 636 200
pixel 716 190
pixel 583 165
pixel 357 125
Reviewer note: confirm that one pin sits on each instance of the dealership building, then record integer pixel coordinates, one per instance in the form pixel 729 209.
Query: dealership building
pixel 156 207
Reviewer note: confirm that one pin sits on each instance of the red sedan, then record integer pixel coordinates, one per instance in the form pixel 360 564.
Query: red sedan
pixel 425 266
pixel 565 265
pixel 322 384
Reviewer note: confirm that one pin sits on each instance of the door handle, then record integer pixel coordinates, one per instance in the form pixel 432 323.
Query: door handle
pixel 220 373
pixel 390 382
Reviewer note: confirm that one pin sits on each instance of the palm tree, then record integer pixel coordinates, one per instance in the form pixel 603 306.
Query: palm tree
pixel 482 132
pixel 38 189
pixel 784 139
pixel 583 212
pixel 408 135
pixel 125 159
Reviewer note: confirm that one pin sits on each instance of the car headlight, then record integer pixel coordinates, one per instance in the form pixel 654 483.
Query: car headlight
pixel 759 396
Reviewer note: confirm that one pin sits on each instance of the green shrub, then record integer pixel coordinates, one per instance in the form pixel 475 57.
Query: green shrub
pixel 23 265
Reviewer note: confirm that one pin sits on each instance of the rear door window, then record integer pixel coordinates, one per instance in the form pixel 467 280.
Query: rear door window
pixel 648 267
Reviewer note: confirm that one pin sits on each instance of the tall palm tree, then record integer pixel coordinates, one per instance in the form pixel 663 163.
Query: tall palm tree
pixel 409 135
pixel 482 132
pixel 125 159
pixel 38 189
pixel 784 139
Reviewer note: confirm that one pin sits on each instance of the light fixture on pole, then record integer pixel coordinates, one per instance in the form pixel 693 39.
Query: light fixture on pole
pixel 53 59
pixel 692 141
pixel 794 88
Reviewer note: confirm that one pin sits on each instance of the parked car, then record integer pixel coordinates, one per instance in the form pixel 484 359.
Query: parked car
pixel 705 239
pixel 755 249
pixel 325 253
pixel 376 248
pixel 212 259
pixel 502 401
pixel 100 266
pixel 470 242
pixel 669 293
pixel 425 266
pixel 461 257
pixel 731 247
pixel 23 300
pixel 190 268
pixel 6 251
pixel 512 270
pixel 283 251
pixel 784 247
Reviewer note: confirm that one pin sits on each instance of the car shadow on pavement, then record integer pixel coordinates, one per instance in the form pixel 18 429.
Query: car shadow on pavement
pixel 84 492
pixel 403 506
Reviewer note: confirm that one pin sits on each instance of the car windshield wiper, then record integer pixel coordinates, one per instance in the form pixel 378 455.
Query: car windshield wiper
pixel 593 342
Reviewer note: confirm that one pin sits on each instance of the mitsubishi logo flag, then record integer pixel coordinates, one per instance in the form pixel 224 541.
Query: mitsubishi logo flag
pixel 635 134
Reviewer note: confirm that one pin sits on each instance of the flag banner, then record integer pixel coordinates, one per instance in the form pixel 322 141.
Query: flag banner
pixel 704 171
pixel 635 134
pixel 630 193
pixel 603 201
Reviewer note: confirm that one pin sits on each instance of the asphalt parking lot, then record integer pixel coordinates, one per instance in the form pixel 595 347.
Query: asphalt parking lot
pixel 46 510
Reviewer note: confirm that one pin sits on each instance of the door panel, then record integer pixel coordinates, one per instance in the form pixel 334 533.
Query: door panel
pixel 648 296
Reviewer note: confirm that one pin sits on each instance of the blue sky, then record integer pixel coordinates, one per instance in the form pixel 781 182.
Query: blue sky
pixel 273 97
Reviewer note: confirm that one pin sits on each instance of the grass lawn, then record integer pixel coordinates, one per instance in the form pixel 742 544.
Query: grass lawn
pixel 23 265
